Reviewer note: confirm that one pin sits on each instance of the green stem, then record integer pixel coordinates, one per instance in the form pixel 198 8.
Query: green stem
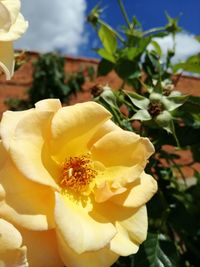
pixel 153 30
pixel 124 12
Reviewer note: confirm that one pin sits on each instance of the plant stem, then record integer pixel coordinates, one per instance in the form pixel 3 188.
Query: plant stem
pixel 154 30
pixel 124 12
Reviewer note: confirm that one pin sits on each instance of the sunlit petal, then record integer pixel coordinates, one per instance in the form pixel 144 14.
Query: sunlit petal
pixel 81 232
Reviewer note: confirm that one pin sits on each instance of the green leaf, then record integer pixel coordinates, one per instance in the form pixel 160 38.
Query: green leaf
pixel 157 47
pixel 130 53
pixel 141 115
pixel 173 102
pixel 197 38
pixel 104 67
pixel 151 253
pixel 108 39
pixel 192 64
pixel 138 100
pixel 105 54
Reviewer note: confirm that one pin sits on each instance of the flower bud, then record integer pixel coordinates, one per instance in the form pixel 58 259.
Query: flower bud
pixel 155 97
pixel 163 118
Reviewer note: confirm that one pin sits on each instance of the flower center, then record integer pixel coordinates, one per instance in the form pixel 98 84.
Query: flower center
pixel 78 174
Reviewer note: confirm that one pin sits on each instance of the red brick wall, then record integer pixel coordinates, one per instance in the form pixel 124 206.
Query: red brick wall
pixel 23 78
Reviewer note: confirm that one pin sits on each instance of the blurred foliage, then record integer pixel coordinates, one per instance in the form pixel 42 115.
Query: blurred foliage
pixel 51 81
pixel 154 108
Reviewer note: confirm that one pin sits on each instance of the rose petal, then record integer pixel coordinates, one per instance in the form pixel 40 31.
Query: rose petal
pixel 104 129
pixel 15 257
pixel 42 249
pixel 80 232
pixel 7 59
pixel 74 126
pixel 131 225
pixel 100 258
pixel 29 150
pixel 113 181
pixel 8 125
pixel 10 238
pixel 122 244
pixel 13 8
pixel 122 148
pixel 11 252
pixel 138 193
pixel 5 19
pixel 131 233
pixel 24 202
pixel 3 155
pixel 16 25
pixel 16 30
pixel 49 105
pixel 137 225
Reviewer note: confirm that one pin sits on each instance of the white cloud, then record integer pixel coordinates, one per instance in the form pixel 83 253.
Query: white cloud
pixel 54 25
pixel 186 46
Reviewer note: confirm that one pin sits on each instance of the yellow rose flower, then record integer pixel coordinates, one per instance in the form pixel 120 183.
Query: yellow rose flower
pixel 72 171
pixel 12 26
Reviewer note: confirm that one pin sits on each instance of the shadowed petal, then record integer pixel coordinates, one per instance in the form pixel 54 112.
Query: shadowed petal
pixel 7 61
pixel 42 249
pixel 24 202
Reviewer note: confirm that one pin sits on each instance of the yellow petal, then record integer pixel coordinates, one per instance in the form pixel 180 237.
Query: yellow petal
pixel 105 191
pixel 132 231
pixel 138 193
pixel 131 225
pixel 122 148
pixel 74 126
pixel 29 150
pixel 104 129
pixel 8 125
pixel 78 230
pixel 5 19
pixel 16 30
pixel 99 258
pixel 10 238
pixel 42 249
pixel 137 225
pixel 11 252
pixel 113 181
pixel 7 59
pixel 122 244
pixel 12 7
pixel 15 257
pixel 49 105
pixel 24 202
pixel 3 155
pixel 16 25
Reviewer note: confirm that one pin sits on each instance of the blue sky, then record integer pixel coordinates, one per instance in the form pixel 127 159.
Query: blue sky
pixel 63 26
pixel 151 12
